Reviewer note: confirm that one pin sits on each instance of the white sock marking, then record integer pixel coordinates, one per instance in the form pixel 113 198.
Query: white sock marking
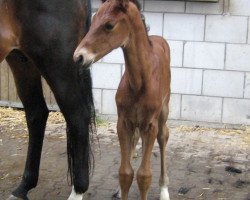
pixel 164 193
pixel 74 196
pixel 12 197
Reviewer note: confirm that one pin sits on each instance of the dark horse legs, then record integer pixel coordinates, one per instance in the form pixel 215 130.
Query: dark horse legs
pixel 49 32
pixel 69 94
pixel 71 89
pixel 29 88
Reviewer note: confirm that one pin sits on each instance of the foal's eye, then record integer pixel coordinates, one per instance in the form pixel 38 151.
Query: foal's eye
pixel 109 26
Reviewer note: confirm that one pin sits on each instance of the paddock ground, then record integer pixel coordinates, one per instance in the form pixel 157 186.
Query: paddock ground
pixel 198 160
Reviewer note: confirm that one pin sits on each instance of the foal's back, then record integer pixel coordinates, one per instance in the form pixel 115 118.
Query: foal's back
pixel 161 50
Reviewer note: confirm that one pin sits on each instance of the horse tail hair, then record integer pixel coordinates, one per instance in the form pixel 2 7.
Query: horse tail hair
pixel 69 157
pixel 85 82
pixel 86 88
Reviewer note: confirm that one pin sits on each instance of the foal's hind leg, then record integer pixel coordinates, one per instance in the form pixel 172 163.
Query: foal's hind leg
pixel 162 139
pixel 29 88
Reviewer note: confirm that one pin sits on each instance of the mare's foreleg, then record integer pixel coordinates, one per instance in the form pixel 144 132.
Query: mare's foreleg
pixel 29 88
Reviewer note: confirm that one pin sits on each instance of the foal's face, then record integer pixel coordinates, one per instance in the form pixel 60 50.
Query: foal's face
pixel 109 30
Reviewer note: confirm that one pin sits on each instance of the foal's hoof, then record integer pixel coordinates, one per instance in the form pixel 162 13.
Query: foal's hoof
pixel 12 197
pixel 117 193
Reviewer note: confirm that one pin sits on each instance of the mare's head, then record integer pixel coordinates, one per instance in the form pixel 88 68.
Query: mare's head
pixel 110 29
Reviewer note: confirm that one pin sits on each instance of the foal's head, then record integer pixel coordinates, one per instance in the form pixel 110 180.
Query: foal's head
pixel 109 30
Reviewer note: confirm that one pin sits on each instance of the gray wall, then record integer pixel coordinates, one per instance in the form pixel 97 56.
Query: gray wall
pixel 210 49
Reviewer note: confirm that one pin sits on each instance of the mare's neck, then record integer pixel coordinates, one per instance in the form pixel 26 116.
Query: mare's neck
pixel 136 54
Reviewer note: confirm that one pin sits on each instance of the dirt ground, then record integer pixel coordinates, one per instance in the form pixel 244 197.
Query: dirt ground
pixel 203 163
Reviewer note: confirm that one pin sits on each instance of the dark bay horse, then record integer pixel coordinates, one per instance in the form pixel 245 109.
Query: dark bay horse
pixel 38 38
pixel 143 94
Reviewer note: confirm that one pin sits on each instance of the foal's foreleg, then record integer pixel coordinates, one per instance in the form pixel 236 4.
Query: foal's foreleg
pixel 29 88
pixel 126 172
pixel 162 140
pixel 134 141
pixel 144 173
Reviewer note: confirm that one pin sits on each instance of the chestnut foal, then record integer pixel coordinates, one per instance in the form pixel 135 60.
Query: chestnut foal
pixel 143 95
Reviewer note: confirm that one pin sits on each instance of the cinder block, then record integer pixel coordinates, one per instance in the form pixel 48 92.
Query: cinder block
pixel 201 108
pixel 186 81
pixel 248 31
pixel 226 28
pixel 239 7
pixel 175 106
pixel 223 83
pixel 176 50
pixel 108 102
pixel 97 95
pixel 238 57
pixel 155 22
pixel 236 111
pixel 164 6
pixel 204 8
pixel 184 27
pixel 204 55
pixel 106 76
pixel 115 56
pixel 247 86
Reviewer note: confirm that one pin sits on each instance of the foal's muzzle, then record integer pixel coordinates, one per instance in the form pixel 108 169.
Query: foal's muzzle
pixel 83 57
pixel 79 59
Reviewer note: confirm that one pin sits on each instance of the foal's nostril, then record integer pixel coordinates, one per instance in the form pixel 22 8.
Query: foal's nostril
pixel 79 59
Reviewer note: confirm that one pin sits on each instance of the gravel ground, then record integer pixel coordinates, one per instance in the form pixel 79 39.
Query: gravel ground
pixel 203 163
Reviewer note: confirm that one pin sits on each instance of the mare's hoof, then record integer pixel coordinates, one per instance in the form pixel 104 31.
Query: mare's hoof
pixel 12 197
pixel 117 193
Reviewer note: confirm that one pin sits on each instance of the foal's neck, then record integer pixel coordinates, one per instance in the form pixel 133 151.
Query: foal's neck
pixel 136 54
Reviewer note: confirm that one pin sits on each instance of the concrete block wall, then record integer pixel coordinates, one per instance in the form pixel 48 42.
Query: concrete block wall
pixel 210 60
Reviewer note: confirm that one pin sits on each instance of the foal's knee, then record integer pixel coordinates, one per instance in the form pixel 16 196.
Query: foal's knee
pixel 162 138
pixel 144 178
pixel 126 173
